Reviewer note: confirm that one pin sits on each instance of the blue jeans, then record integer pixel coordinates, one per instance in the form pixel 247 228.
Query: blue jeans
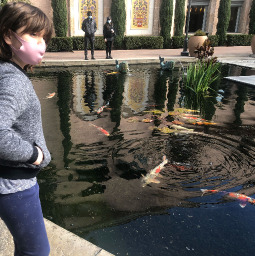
pixel 22 214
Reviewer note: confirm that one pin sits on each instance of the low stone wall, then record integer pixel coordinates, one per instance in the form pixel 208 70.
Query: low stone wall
pixel 62 242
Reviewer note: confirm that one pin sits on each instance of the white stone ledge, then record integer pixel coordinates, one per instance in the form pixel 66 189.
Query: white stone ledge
pixel 62 242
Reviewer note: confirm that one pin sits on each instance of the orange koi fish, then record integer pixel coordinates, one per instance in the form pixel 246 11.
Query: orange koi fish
pixel 154 173
pixel 204 123
pixel 191 117
pixel 243 198
pixel 50 95
pixel 113 73
pixel 180 167
pixel 177 122
pixel 101 130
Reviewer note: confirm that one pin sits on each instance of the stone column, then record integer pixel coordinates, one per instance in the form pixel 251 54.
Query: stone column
pixel 72 14
pixel 107 9
pixel 212 16
pixel 243 26
pixel 156 22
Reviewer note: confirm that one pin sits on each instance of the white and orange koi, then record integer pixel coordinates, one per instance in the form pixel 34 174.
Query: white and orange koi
pixel 101 130
pixel 100 110
pixel 147 120
pixel 179 127
pixel 50 95
pixel 154 173
pixel 243 198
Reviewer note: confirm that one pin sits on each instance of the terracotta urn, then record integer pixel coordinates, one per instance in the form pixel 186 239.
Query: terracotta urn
pixel 193 42
pixel 253 44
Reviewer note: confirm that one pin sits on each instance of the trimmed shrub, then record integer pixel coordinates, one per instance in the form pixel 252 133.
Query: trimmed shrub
pixel 59 17
pixel 78 43
pixel 252 18
pixel 214 39
pixel 118 13
pixel 143 42
pixel 238 40
pixel 224 13
pixel 177 42
pixel 179 19
pixel 60 44
pixel 166 14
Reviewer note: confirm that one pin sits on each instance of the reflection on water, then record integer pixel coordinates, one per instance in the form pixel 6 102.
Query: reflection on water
pixel 93 185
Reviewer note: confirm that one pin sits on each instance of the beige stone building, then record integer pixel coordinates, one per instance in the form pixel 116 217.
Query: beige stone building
pixel 143 19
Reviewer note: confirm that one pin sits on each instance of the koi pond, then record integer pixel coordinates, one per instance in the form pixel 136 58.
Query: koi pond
pixel 108 133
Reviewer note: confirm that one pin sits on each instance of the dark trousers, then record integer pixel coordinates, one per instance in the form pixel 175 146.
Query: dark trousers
pixel 22 214
pixel 108 48
pixel 87 40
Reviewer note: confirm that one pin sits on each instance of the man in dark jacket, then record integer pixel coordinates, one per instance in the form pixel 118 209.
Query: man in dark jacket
pixel 89 26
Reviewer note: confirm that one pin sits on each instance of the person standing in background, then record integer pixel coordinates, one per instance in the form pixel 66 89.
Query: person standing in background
pixel 108 37
pixel 89 26
pixel 24 33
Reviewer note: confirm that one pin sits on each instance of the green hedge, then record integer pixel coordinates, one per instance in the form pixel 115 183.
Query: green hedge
pixel 177 42
pixel 143 42
pixel 78 43
pixel 238 40
pixel 214 40
pixel 59 44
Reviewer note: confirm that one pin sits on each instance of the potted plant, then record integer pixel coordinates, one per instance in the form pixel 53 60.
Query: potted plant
pixel 196 41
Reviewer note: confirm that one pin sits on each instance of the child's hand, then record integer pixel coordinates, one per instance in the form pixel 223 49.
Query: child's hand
pixel 40 156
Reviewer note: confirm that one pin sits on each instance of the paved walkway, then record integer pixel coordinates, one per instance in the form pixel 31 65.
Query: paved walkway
pixel 241 54
pixel 63 242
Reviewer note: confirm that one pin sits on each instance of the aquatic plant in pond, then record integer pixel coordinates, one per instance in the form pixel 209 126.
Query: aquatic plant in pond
pixel 199 80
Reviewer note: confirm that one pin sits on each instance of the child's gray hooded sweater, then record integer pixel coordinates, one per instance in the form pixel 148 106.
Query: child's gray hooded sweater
pixel 20 125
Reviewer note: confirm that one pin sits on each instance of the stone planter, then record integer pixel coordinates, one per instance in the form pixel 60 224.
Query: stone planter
pixel 253 44
pixel 193 42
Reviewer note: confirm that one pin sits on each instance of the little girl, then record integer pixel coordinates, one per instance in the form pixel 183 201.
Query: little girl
pixel 24 32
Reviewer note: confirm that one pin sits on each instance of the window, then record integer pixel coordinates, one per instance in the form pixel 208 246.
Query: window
pixel 197 18
pixel 234 19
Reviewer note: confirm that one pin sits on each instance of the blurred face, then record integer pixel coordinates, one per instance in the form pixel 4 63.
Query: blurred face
pixel 27 48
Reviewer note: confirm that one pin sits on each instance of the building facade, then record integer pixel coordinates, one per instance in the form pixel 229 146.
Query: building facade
pixel 143 16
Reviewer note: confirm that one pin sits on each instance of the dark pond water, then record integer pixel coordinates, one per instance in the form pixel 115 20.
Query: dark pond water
pixel 95 185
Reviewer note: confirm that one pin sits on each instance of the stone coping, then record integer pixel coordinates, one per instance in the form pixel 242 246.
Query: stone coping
pixel 62 242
